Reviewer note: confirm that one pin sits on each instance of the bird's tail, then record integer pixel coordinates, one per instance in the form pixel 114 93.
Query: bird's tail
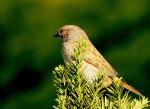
pixel 130 88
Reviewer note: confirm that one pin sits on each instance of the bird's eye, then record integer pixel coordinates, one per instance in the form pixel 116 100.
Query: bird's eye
pixel 64 33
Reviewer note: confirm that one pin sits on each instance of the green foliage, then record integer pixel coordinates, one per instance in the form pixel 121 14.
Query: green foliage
pixel 75 93
pixel 119 28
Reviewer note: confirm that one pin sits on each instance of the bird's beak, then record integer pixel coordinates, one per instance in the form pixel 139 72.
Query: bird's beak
pixel 56 35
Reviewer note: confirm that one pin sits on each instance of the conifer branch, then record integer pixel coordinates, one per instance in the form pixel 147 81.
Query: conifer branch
pixel 74 93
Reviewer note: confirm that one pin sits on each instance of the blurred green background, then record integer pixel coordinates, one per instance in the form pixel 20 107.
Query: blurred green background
pixel 120 29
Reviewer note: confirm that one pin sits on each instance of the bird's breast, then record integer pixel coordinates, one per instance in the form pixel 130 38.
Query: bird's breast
pixel 67 50
pixel 90 72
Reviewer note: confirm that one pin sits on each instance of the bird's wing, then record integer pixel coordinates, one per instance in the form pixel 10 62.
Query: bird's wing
pixel 94 58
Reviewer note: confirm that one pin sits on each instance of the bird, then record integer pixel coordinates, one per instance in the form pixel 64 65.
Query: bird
pixel 93 62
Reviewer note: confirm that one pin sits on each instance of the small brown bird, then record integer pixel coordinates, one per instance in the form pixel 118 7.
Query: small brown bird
pixel 93 62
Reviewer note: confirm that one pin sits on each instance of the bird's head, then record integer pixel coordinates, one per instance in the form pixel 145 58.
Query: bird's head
pixel 69 33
